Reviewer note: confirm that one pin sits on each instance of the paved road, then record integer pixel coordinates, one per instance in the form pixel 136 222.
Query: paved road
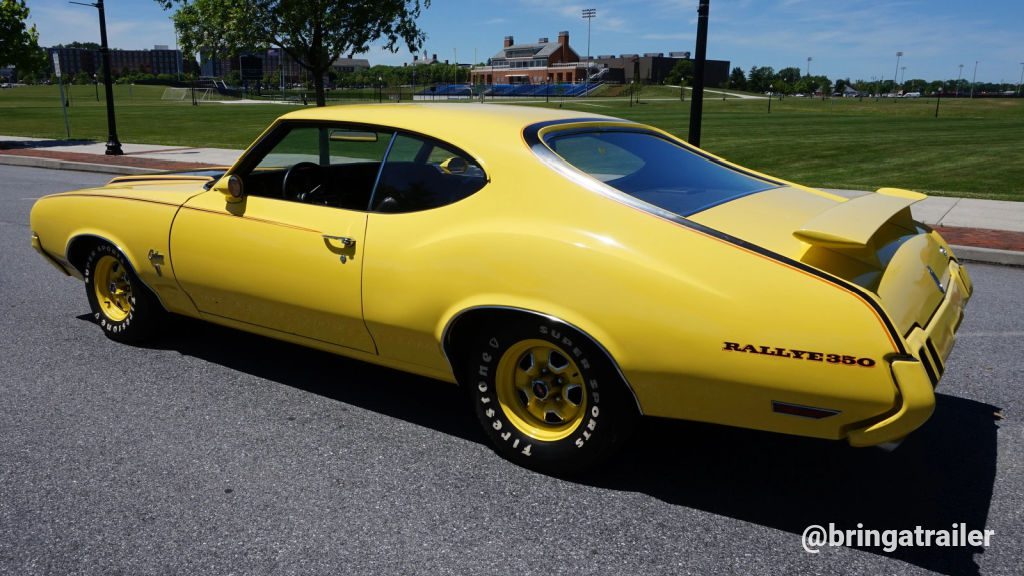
pixel 216 452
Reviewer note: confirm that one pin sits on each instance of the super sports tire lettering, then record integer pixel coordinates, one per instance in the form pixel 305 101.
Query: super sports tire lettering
pixel 122 306
pixel 546 396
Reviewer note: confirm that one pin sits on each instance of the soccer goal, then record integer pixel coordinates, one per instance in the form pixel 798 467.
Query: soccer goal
pixel 202 94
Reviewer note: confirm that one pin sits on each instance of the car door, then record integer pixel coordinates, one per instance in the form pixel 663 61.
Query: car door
pixel 288 256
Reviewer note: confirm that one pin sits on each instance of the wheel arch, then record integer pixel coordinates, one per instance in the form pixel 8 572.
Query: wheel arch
pixel 467 321
pixel 79 246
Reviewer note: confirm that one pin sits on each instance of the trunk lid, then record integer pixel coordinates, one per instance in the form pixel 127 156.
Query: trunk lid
pixel 870 240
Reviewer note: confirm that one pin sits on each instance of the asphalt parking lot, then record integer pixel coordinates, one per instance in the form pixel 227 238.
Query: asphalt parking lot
pixel 217 452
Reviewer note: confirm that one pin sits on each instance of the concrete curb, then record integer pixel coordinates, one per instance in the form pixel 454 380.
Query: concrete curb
pixel 989 255
pixel 55 164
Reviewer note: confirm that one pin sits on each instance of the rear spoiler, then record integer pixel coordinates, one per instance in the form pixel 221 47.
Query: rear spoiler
pixel 851 224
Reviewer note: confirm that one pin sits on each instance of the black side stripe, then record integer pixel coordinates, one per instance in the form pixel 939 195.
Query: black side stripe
pixel 532 138
pixel 935 356
pixel 923 356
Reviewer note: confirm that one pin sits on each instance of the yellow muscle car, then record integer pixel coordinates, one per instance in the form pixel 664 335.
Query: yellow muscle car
pixel 570 271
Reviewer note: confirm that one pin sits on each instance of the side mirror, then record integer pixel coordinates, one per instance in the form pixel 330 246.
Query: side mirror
pixel 235 187
pixel 231 187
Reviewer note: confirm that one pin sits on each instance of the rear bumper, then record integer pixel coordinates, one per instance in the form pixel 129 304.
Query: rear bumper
pixel 916 377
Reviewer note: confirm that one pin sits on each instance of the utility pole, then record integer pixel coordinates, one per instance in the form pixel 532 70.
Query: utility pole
pixel 1021 81
pixel 588 15
pixel 958 75
pixel 113 144
pixel 697 96
pixel 974 79
pixel 898 56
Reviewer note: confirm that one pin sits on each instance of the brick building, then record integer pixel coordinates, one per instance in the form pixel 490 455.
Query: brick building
pixel 535 63
pixel 544 61
pixel 160 60
pixel 652 68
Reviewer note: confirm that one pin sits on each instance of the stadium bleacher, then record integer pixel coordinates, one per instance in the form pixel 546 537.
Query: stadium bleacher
pixel 509 90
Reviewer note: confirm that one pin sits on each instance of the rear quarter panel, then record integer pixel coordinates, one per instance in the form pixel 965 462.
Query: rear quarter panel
pixel 661 298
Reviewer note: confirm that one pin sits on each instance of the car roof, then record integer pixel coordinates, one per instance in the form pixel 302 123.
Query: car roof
pixel 465 123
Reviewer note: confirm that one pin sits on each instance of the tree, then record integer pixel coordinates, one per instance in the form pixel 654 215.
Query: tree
pixel 19 44
pixel 760 79
pixel 83 45
pixel 737 79
pixel 789 75
pixel 314 33
pixel 682 72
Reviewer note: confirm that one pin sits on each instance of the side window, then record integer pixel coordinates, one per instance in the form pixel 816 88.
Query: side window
pixel 324 165
pixel 421 174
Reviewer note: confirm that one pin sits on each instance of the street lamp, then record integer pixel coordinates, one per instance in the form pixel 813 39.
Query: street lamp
pixel 898 56
pixel 588 15
pixel 974 78
pixel 958 75
pixel 113 144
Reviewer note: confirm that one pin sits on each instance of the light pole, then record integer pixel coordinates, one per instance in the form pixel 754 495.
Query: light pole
pixel 697 92
pixel 903 75
pixel 958 75
pixel 771 92
pixel 974 78
pixel 113 144
pixel 1021 81
pixel 809 65
pixel 898 56
pixel 588 15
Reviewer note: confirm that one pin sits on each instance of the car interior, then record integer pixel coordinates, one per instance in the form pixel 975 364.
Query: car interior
pixel 418 173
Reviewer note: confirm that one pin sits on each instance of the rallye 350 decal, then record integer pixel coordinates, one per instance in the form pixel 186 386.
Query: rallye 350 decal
pixel 779 352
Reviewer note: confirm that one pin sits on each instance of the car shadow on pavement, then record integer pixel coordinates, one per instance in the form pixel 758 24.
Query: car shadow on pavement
pixel 417 399
pixel 942 474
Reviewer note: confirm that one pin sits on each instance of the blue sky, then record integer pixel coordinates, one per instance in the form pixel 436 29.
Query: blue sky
pixel 846 38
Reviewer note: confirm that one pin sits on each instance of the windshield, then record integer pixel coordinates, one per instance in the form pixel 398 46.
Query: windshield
pixel 654 169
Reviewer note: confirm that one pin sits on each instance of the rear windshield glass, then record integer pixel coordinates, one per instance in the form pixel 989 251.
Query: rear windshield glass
pixel 655 170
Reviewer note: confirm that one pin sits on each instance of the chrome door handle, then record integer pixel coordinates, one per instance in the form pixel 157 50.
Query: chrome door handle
pixel 348 242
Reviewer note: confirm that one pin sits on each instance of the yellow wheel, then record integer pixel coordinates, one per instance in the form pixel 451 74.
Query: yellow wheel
pixel 113 289
pixel 121 304
pixel 548 396
pixel 541 390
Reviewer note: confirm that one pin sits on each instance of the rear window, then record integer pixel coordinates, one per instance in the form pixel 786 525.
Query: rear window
pixel 654 169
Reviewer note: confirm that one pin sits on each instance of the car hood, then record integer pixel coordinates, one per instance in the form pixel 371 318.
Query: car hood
pixel 166 187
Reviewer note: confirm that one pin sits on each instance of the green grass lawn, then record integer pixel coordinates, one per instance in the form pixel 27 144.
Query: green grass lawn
pixel 974 149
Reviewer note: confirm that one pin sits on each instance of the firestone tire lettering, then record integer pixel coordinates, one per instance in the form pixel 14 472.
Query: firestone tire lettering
pixel 144 313
pixel 602 426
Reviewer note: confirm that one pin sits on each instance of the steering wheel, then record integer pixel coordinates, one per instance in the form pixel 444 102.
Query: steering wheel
pixel 295 177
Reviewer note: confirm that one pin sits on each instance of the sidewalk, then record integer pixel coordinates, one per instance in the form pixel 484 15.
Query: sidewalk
pixel 980 230
pixel 89 156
